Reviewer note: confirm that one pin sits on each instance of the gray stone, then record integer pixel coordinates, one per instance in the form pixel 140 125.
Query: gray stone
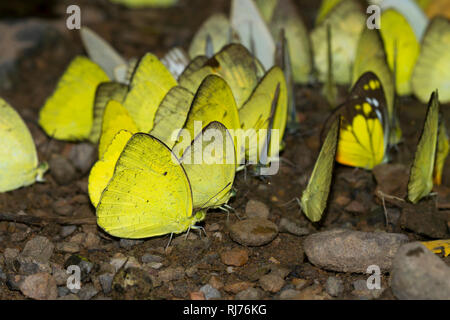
pixel 39 248
pixel 129 243
pixel 68 247
pixel 249 294
pixel 63 291
pixel 106 282
pixel 291 227
pixel 83 156
pixel 171 274
pixel 210 292
pixel 417 273
pixel 67 231
pixel 87 292
pixel 147 258
pixel 334 286
pixel 253 232
pixel 288 294
pixel 62 170
pixel 271 282
pixel 362 291
pixel 352 251
pixel 256 209
pixel 29 265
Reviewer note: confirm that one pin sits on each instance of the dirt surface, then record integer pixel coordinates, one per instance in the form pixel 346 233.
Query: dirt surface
pixel 133 33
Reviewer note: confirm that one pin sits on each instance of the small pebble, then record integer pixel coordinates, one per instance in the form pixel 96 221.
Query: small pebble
pixel 67 231
pixel 289 294
pixel 39 286
pixel 419 274
pixel 10 255
pixel 215 282
pixel 291 227
pixel 272 283
pixel 118 260
pixel 154 265
pixel 106 282
pixel 146 258
pixel 87 292
pixel 39 248
pixel 334 286
pixel 253 232
pixel 210 292
pixel 249 294
pixel 129 243
pixel 60 275
pixel 362 291
pixel 237 286
pixel 63 291
pixel 171 274
pixel 29 265
pixel 256 209
pixel 235 257
pixel 62 170
pixel 196 296
pixel 83 155
pixel 68 247
pixel 92 241
pixel 314 292
pixel 352 251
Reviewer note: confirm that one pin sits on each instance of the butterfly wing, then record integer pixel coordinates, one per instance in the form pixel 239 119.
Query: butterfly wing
pixel 314 198
pixel 18 156
pixel 149 193
pixel 68 113
pixel 420 181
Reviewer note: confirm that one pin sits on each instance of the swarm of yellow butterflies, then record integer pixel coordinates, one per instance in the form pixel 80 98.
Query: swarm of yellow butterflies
pixel 150 117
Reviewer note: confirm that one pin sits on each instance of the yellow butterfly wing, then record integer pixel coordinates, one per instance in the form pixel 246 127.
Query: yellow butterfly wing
pixel 438 246
pixel 115 118
pixel 218 28
pixel 18 156
pixel 314 198
pixel 171 115
pixel 210 164
pixel 347 22
pixel 149 68
pixel 103 169
pixel 364 130
pixel 432 70
pixel 266 8
pixel 285 17
pixel 213 101
pixel 370 56
pixel 149 193
pixel 68 113
pixel 441 153
pixel 398 35
pixel 420 181
pixel 105 91
pixel 235 65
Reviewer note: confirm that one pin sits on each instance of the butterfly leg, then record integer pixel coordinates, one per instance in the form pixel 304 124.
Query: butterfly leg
pixel 170 240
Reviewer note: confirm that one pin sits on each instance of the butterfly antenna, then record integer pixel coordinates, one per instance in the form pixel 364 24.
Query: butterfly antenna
pixel 209 47
pixel 170 240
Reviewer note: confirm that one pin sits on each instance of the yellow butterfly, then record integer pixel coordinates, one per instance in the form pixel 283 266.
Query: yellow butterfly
pixel 234 64
pixel 18 156
pixel 213 101
pixel 150 192
pixel 441 153
pixel 282 15
pixel 364 127
pixel 254 34
pixel 420 181
pixel 314 198
pixel 401 44
pixel 106 91
pixel 432 70
pixel 347 21
pixel 370 56
pixel 68 113
pixel 218 29
pixel 268 101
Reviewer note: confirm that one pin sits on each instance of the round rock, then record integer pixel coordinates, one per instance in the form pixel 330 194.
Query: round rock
pixel 418 274
pixel 253 232
pixel 352 251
